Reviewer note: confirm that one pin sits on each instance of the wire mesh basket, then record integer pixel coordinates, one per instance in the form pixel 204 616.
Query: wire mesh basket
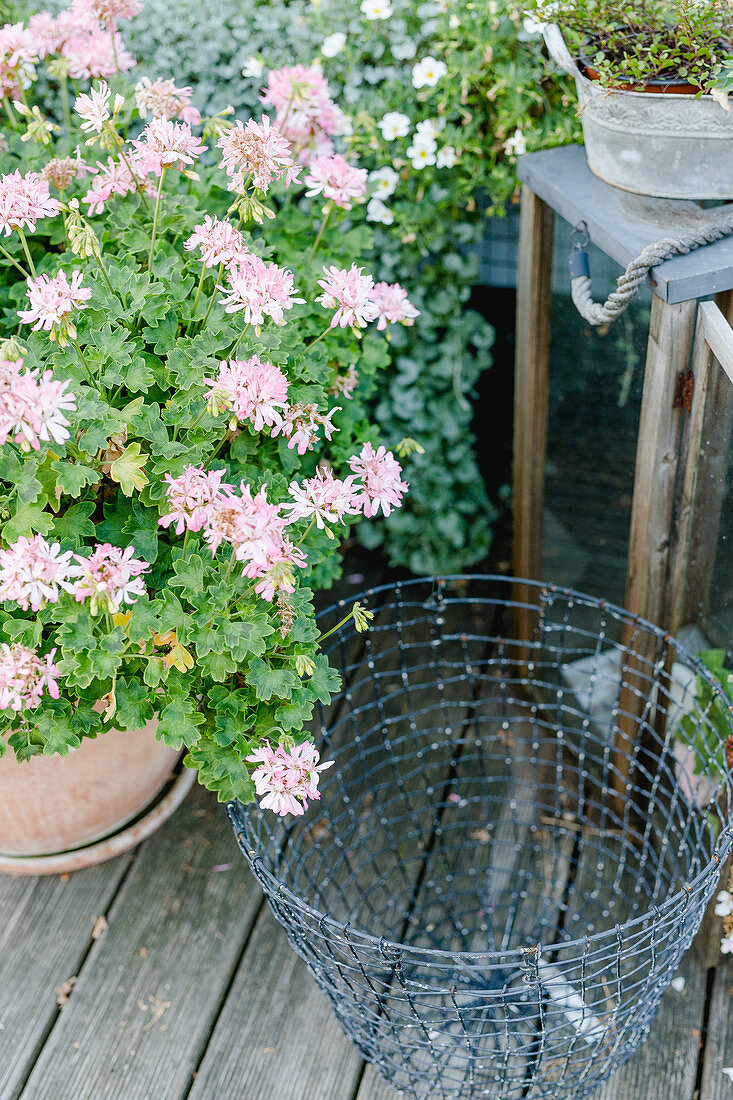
pixel 527 816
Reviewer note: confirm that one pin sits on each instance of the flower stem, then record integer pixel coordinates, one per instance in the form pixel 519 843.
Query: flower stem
pixel 185 542
pixel 66 107
pixel 231 565
pixel 198 292
pixel 87 371
pixel 114 49
pixel 155 219
pixel 338 626
pixel 15 263
pixel 28 256
pixel 138 182
pixel 314 342
pixel 239 341
pixel 103 269
pixel 306 532
pixel 317 241
pixel 213 299
pixel 10 113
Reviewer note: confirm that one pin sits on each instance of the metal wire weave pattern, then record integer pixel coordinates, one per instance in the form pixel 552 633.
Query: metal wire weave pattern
pixel 485 914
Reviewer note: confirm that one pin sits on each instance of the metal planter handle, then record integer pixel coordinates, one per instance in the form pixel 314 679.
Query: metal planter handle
pixel 560 53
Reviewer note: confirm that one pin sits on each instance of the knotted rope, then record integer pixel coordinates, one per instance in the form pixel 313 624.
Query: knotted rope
pixel 718 225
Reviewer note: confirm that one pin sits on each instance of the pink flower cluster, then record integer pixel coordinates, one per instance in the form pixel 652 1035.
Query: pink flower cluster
pixel 381 484
pixel 251 389
pixel 219 241
pixel 62 171
pixel 337 180
pixel 286 780
pixel 51 301
pixel 357 300
pixel 33 408
pixel 86 36
pixel 300 424
pixel 325 498
pixel 109 577
pixel 190 496
pixel 24 200
pixel 19 51
pixel 34 572
pixel 115 178
pixel 305 112
pixel 258 289
pixel 24 676
pixel 167 144
pixel 257 150
pixel 162 99
pixel 93 108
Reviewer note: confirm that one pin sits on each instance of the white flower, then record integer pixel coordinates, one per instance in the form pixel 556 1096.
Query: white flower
pixel 422 142
pixel 678 984
pixel 430 127
pixel 454 22
pixel 428 72
pixel 726 945
pixel 385 181
pixel 253 67
pixel 421 155
pixel 447 157
pixel 376 211
pixel 333 44
pixel 516 145
pixel 376 9
pixel 532 27
pixel 404 51
pixel 724 904
pixel 394 125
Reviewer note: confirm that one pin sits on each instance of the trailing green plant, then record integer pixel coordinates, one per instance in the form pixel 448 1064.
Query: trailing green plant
pixel 637 42
pixel 707 728
pixel 189 344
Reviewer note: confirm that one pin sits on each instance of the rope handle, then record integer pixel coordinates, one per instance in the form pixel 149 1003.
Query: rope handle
pixel 718 225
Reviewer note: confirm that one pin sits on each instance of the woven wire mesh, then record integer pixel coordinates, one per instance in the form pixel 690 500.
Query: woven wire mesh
pixel 486 914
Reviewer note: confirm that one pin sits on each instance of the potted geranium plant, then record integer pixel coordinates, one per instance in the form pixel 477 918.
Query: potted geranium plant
pixel 649 76
pixel 183 439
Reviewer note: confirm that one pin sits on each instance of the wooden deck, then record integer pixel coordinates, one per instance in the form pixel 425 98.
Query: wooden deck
pixel 164 976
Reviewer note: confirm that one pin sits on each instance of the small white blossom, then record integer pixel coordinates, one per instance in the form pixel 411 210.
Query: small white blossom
pixel 446 157
pixel 454 22
pixel 422 142
pixel 376 211
pixel 516 145
pixel 394 125
pixel 726 945
pixel 253 67
pixel 428 72
pixel 376 9
pixel 724 904
pixel 430 127
pixel 532 27
pixel 421 155
pixel 384 182
pixel 333 44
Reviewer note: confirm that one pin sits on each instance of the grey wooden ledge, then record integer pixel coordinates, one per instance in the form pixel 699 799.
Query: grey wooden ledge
pixel 622 224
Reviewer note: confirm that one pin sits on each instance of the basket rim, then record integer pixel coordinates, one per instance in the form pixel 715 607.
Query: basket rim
pixel 681 899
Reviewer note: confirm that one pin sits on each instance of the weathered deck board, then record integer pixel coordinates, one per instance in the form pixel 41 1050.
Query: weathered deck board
pixel 716 1085
pixel 276 1036
pixel 140 1015
pixel 45 932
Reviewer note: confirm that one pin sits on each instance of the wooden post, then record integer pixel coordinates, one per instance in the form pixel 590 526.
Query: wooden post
pixel 647 584
pixel 703 468
pixel 534 306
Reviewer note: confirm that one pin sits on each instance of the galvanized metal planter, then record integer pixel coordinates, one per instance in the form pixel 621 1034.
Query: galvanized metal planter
pixel 652 143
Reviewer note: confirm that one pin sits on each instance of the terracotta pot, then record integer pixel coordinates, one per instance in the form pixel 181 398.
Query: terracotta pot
pixel 56 803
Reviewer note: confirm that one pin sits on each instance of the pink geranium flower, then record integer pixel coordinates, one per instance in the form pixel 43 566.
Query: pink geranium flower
pixel 24 200
pixel 219 241
pixel 19 51
pixel 286 780
pixel 305 113
pixel 300 424
pixel 350 294
pixel 62 171
pixel 251 389
pixel 258 290
pixel 393 305
pixel 93 108
pixel 24 676
pixel 95 54
pixel 114 178
pixel 51 301
pixel 257 149
pixel 34 572
pixel 109 577
pixel 336 179
pixel 167 144
pixel 31 408
pixel 325 498
pixel 190 496
pixel 106 12
pixel 381 484
pixel 162 99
